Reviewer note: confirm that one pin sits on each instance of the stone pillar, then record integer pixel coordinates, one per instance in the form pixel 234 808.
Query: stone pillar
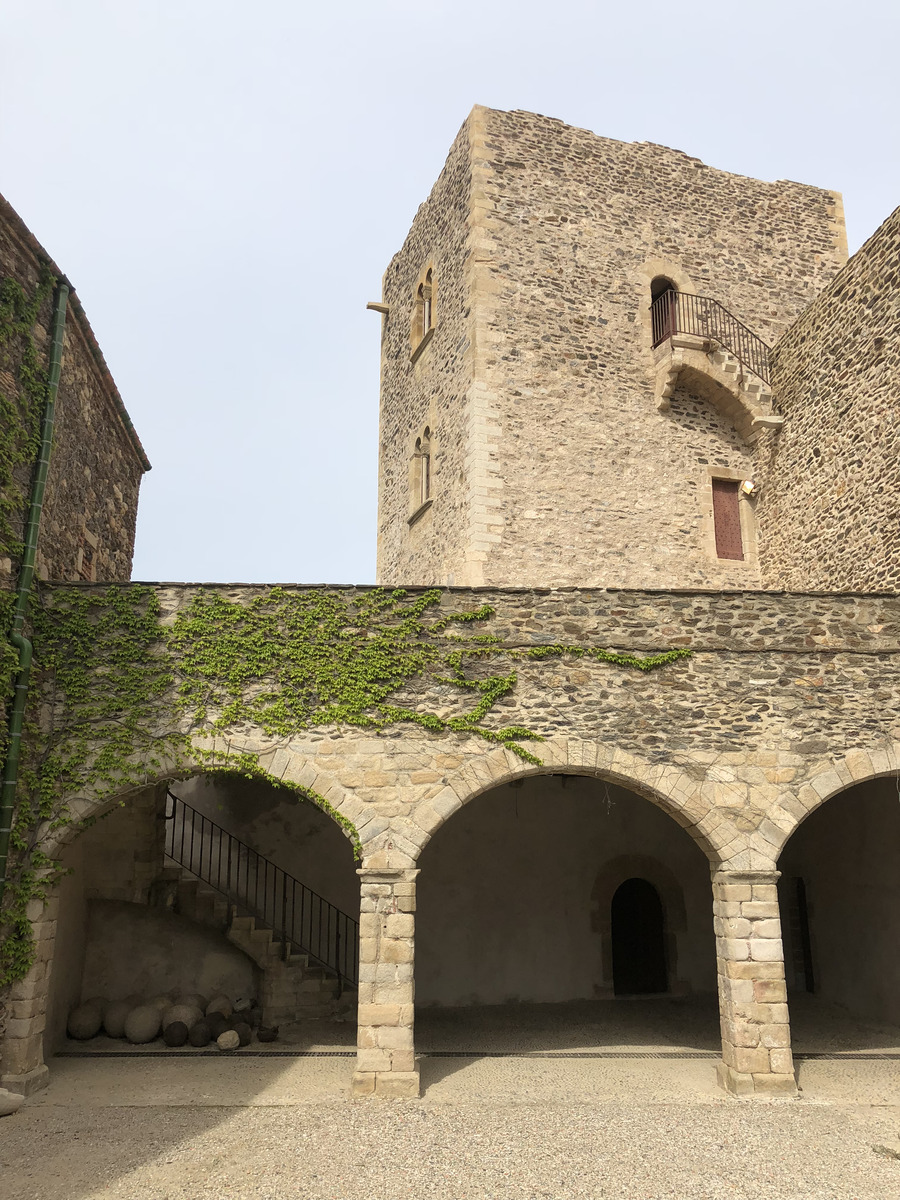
pixel 756 1034
pixel 386 1063
pixel 22 1067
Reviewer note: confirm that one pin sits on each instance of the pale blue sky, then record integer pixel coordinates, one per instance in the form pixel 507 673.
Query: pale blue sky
pixel 224 185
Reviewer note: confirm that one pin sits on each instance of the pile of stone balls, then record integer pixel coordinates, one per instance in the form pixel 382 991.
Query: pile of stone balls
pixel 180 1018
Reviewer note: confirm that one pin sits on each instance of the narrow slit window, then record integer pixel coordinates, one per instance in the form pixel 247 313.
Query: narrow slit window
pixel 727 518
pixel 426 303
pixel 422 463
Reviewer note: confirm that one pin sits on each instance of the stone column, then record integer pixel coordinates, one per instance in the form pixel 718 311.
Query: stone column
pixel 22 1067
pixel 756 1034
pixel 385 1062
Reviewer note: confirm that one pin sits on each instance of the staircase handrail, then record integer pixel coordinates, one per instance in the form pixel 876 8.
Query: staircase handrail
pixel 337 949
pixel 702 316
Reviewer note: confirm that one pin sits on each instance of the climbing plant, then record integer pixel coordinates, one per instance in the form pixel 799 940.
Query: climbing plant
pixel 128 689
pixel 23 383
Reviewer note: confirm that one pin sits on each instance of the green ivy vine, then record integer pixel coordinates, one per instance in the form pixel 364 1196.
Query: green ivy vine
pixel 20 427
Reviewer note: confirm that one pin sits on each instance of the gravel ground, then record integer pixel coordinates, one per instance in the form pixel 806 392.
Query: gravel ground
pixel 507 1129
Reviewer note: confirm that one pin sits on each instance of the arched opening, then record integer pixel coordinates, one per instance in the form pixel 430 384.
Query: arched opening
pixel 529 925
pixel 421 473
pixel 839 901
pixel 216 885
pixel 638 940
pixel 663 308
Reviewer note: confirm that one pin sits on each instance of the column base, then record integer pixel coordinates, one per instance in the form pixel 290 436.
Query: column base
pixel 399 1085
pixel 739 1083
pixel 27 1084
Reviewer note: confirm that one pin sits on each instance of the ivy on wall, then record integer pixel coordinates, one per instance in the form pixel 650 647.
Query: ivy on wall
pixel 23 382
pixel 126 690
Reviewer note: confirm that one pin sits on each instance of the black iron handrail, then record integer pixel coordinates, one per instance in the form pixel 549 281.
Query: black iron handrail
pixel 299 916
pixel 680 312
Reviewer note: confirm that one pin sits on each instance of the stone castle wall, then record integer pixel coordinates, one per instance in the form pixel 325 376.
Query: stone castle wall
pixel 574 475
pixel 785 701
pixel 776 688
pixel 829 512
pixel 431 392
pixel 90 506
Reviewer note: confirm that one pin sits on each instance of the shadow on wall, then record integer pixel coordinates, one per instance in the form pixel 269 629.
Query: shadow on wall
pixel 149 951
pixel 295 835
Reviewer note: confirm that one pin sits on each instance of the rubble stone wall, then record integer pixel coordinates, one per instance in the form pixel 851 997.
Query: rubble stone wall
pixel 573 475
pixel 829 514
pixel 90 506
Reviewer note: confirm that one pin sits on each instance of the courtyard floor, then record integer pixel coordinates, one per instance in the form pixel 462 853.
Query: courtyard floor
pixel 612 1099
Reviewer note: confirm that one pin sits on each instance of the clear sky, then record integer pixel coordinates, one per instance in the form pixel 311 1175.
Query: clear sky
pixel 224 183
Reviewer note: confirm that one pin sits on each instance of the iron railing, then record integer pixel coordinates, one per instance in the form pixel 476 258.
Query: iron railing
pixel 680 312
pixel 301 918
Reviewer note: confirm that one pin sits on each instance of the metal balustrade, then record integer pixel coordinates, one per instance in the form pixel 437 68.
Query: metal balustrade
pixel 680 312
pixel 302 920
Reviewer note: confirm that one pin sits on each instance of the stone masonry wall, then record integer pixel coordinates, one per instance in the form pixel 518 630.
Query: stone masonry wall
pixel 777 688
pixel 595 480
pixel 432 391
pixel 574 476
pixel 829 513
pixel 90 506
pixel 785 701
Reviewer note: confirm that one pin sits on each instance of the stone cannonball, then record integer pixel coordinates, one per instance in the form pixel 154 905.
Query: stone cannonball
pixel 84 1022
pixel 142 1024
pixel 217 1023
pixel 194 999
pixel 267 1033
pixel 242 1029
pixel 229 1040
pixel 200 1034
pixel 114 1018
pixel 175 1034
pixel 160 1002
pixel 220 1004
pixel 186 1013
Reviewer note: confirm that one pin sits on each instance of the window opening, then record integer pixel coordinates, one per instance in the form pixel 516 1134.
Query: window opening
pixel 423 463
pixel 426 290
pixel 727 518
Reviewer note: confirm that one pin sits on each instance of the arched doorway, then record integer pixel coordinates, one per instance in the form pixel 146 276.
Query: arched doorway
pixel 211 885
pixel 515 913
pixel 638 940
pixel 839 900
pixel 663 308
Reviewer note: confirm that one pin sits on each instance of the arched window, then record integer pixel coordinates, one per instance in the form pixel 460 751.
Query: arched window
pixel 423 313
pixel 663 308
pixel 426 290
pixel 422 469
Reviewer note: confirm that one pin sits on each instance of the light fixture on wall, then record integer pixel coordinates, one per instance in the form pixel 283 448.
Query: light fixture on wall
pixel 749 488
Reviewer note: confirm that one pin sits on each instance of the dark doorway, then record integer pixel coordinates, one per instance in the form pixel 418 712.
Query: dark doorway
pixel 638 940
pixel 663 309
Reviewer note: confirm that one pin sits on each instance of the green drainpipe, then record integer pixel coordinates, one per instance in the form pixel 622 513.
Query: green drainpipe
pixel 23 590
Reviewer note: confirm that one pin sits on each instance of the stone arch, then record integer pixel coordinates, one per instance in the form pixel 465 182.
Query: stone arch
pixel 792 808
pixel 666 785
pixel 609 878
pixel 282 763
pixel 22 1049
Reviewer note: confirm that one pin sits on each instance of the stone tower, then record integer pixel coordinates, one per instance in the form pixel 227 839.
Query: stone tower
pixel 537 427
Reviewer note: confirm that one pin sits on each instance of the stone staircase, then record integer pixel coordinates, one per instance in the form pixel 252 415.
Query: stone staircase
pixel 704 365
pixel 291 986
pixel 758 393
